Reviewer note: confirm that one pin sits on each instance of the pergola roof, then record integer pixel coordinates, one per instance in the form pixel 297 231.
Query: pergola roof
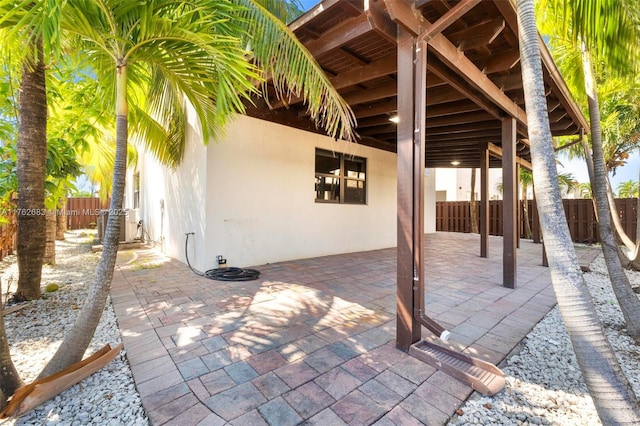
pixel 473 75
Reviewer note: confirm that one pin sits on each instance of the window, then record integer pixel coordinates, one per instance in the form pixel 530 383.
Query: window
pixel 340 178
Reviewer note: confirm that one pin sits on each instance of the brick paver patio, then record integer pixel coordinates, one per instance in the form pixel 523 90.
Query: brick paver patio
pixel 313 340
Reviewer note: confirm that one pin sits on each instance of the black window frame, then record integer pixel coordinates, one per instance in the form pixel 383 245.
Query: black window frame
pixel 342 178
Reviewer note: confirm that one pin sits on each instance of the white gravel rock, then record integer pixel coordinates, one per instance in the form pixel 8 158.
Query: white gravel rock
pixel 107 397
pixel 544 385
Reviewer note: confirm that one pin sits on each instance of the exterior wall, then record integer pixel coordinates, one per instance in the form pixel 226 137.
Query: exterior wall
pixel 456 184
pixel 172 202
pixel 261 200
pixel 250 197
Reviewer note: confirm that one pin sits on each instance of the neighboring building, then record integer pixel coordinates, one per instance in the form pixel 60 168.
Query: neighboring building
pixel 257 197
pixel 454 184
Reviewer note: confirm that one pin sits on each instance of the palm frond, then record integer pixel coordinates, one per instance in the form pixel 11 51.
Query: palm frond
pixel 293 70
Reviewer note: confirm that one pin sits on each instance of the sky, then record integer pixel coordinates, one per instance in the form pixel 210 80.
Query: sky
pixel 625 173
pixel 308 4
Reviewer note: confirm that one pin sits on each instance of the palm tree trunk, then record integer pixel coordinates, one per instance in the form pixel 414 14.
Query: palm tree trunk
pixel 9 377
pixel 634 258
pixel 474 204
pixel 77 340
pixel 613 397
pixel 629 303
pixel 612 203
pixel 32 156
pixel 527 225
pixel 617 224
pixel 61 219
pixel 50 242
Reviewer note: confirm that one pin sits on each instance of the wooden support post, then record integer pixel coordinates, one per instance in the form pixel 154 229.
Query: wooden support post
pixel 407 327
pixel 535 222
pixel 484 201
pixel 518 206
pixel 509 215
pixel 420 106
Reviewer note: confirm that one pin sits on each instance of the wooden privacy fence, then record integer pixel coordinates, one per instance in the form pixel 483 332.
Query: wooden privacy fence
pixel 8 236
pixel 83 213
pixel 455 216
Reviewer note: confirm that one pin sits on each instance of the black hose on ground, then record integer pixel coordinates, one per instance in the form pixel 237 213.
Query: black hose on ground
pixel 222 274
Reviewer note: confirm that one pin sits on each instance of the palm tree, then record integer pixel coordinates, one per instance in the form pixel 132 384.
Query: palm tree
pixel 154 55
pixel 613 397
pixel 628 189
pixel 588 27
pixel 585 189
pixel 32 154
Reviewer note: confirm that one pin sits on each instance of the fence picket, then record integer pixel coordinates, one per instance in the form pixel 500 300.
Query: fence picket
pixel 455 216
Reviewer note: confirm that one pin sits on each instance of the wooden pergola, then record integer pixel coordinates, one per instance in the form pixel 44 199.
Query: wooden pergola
pixel 449 73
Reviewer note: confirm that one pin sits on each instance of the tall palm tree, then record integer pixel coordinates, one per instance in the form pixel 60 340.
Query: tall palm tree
pixel 32 155
pixel 606 29
pixel 613 397
pixel 149 58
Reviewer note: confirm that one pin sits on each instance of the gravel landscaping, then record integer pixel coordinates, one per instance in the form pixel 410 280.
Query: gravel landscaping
pixel 544 384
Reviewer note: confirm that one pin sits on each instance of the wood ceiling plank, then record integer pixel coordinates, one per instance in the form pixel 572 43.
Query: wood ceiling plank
pixel 370 95
pixel 373 121
pixel 500 62
pixel 466 69
pixel 477 35
pixel 461 128
pixel 464 118
pixel 452 108
pixel 450 17
pixel 377 109
pixel 339 35
pixel 377 69
pixel 463 87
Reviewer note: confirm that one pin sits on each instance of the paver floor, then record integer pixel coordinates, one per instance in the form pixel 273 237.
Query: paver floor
pixel 313 340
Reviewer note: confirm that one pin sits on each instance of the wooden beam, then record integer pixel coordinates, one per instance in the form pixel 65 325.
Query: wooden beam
pixel 313 13
pixel 451 108
pixel 380 21
pixel 501 62
pixel 463 118
pixel 376 109
pixel 461 85
pixel 466 69
pixel 512 81
pixel 405 15
pixel 496 151
pixel 477 35
pixel 376 69
pixel 484 201
pixel 339 35
pixel 455 13
pixel 508 10
pixel 461 128
pixel 373 122
pixel 371 95
pixel 509 224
